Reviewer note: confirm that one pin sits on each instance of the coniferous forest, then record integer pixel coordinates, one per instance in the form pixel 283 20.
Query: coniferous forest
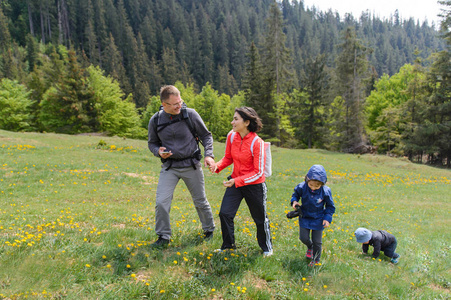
pixel 318 79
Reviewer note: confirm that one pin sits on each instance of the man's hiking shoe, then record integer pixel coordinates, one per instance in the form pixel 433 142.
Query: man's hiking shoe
pixel 267 253
pixel 160 243
pixel 395 260
pixel 208 235
pixel 309 254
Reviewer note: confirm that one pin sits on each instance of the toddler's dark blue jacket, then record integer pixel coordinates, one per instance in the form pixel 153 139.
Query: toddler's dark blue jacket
pixel 316 205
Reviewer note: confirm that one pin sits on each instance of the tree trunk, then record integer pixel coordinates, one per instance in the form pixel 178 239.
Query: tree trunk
pixel 30 19
pixel 60 24
pixel 42 24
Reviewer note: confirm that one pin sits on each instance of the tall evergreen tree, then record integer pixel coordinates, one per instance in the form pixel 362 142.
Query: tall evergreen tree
pixel 205 29
pixel 351 73
pixel 100 28
pixel 169 66
pixel 276 73
pixel 149 36
pixel 434 129
pixel 307 109
pixel 32 53
pixel 5 37
pixel 141 88
pixel 70 106
pixel 156 79
pixel 226 82
pixel 91 44
pixel 5 43
pixel 114 65
pixel 253 80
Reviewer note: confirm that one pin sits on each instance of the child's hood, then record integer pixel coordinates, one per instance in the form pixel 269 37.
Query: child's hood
pixel 317 172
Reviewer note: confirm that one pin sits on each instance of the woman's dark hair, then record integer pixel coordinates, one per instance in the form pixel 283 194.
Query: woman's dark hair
pixel 248 113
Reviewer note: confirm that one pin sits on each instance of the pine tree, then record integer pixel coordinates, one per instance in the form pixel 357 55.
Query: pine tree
pixel 156 79
pixel 100 29
pixel 434 129
pixel 70 106
pixel 351 73
pixel 253 80
pixel 307 109
pixel 276 74
pixel 141 88
pixel 169 66
pixel 5 43
pixel 114 65
pixel 91 43
pixel 32 53
pixel 205 29
pixel 5 37
pixel 148 34
pixel 226 82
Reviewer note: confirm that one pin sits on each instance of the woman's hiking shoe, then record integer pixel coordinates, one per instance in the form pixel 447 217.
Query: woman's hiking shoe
pixel 309 254
pixel 160 243
pixel 267 253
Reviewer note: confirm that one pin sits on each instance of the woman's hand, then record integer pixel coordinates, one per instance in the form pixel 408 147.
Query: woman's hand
pixel 229 183
pixel 326 223
pixel 212 166
pixel 294 204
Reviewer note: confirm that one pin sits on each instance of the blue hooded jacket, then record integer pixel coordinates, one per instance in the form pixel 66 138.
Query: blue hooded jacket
pixel 316 205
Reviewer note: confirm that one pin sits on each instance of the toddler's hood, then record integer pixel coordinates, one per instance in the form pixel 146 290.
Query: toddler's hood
pixel 317 172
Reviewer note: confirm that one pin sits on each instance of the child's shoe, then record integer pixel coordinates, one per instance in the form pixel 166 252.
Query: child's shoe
pixel 395 260
pixel 309 254
pixel 313 263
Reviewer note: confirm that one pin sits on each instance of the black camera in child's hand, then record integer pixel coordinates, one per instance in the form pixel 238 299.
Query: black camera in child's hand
pixel 295 213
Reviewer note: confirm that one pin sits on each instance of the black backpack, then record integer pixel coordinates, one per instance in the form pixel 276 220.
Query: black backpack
pixel 185 117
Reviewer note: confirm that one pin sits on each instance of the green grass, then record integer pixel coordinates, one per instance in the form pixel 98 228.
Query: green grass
pixel 76 221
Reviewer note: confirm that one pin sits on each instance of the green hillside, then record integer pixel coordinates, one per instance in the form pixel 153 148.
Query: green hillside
pixel 77 218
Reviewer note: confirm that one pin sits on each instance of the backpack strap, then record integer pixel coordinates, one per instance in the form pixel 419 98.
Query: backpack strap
pixel 231 137
pixel 187 119
pixel 252 144
pixel 185 116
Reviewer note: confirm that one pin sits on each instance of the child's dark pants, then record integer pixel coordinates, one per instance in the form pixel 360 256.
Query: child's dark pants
pixel 390 250
pixel 314 243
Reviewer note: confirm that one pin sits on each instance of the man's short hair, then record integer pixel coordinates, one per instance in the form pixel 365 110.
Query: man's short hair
pixel 168 90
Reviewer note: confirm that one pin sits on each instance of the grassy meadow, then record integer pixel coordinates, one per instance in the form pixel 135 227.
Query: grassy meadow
pixel 77 218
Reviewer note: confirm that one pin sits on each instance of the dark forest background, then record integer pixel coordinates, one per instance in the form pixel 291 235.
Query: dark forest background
pixel 318 79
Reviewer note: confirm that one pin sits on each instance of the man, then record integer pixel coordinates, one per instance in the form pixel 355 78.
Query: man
pixel 171 135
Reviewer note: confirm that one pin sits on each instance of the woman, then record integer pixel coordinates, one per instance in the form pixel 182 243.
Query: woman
pixel 245 150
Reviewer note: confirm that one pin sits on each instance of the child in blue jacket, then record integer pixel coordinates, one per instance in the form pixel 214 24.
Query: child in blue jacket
pixel 317 210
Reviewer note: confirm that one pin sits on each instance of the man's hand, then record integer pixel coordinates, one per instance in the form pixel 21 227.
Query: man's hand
pixel 163 153
pixel 209 161
pixel 294 204
pixel 326 223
